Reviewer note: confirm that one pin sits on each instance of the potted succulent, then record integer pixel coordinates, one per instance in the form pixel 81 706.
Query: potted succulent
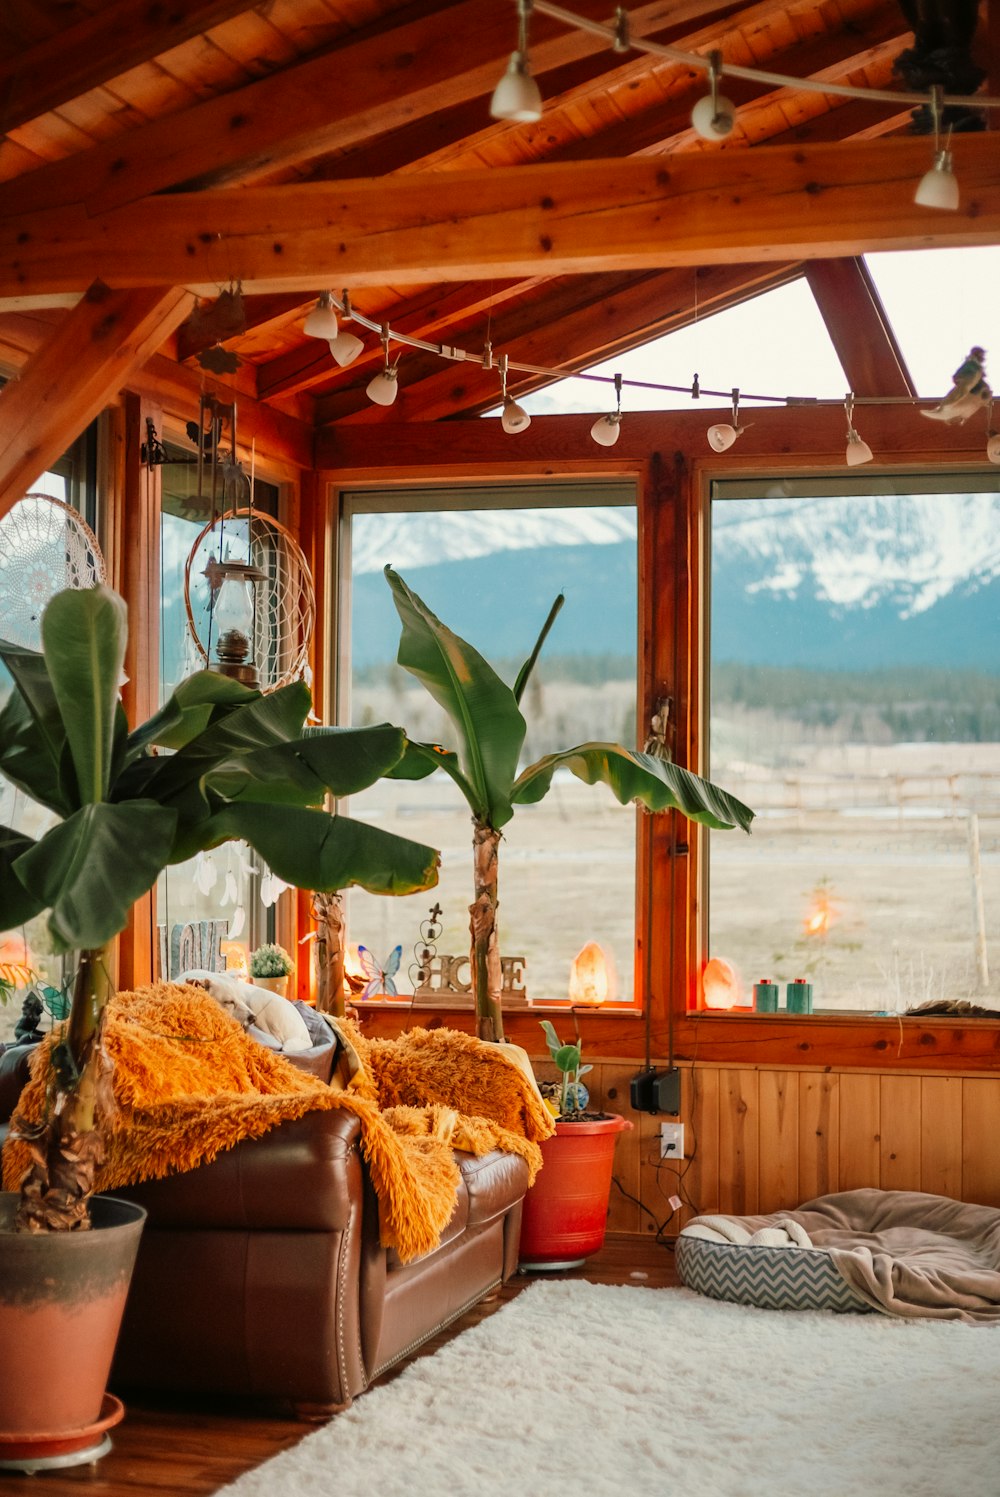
pixel 565 1211
pixel 242 766
pixel 486 716
pixel 271 967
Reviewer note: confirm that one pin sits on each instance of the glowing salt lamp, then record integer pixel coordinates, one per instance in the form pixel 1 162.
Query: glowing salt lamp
pixel 591 977
pixel 722 985
pixel 234 954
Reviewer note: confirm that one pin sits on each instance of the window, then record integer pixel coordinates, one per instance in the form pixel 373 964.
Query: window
pixel 489 563
pixel 855 704
pixel 215 896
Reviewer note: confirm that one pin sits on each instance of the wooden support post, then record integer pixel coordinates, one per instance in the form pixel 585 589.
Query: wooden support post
pixel 978 907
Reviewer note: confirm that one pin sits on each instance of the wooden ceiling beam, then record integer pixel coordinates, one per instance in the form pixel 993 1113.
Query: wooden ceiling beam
pixel 75 373
pixel 592 324
pixel 859 329
pixel 330 100
pixel 97 47
pixel 773 203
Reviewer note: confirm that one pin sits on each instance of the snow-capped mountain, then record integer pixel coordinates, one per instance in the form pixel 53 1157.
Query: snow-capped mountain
pixel 860 551
pixel 410 540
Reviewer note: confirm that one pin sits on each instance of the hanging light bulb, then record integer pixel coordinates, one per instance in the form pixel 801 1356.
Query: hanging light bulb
pixel 722 436
pixel 515 417
pixel 517 96
pixel 345 347
pixel 714 116
pixel 992 437
pixel 607 429
pixel 322 320
pixel 938 188
pixel 384 388
pixel 858 451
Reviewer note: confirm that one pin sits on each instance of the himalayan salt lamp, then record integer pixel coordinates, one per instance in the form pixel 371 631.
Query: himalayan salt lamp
pixel 722 985
pixel 591 977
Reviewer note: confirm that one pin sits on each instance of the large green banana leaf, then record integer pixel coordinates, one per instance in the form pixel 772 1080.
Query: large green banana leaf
pixel 339 760
pixel 89 870
pixel 482 708
pixel 317 851
pixel 633 776
pixel 243 766
pixel 83 643
pixel 16 904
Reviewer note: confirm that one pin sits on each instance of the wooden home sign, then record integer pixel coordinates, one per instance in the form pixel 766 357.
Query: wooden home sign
pixel 447 982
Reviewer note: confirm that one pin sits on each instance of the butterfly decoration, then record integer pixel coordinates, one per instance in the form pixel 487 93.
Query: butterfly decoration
pixel 380 978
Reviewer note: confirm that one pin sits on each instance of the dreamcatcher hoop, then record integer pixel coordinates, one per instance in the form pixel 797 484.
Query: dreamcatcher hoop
pixel 46 546
pixel 284 603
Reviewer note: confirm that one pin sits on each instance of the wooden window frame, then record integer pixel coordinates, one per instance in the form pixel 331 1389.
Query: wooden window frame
pixel 667 454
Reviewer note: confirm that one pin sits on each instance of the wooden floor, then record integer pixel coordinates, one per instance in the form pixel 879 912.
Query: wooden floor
pixel 162 1449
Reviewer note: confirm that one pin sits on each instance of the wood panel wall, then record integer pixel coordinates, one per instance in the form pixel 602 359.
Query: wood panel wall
pixel 759 1139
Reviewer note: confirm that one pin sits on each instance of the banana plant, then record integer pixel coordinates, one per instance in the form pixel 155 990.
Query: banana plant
pixel 489 729
pixel 241 766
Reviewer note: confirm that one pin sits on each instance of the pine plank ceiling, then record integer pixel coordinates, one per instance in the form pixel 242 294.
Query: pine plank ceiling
pixel 193 143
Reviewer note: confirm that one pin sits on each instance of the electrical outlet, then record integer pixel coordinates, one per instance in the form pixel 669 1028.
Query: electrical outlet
pixel 671 1140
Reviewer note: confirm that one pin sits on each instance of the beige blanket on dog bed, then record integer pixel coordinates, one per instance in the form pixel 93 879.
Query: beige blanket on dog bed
pixel 905 1253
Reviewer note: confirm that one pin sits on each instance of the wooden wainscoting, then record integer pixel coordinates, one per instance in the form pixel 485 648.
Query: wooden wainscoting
pixel 760 1139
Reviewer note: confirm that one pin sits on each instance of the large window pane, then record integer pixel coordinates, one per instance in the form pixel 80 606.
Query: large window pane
pixel 855 703
pixel 567 865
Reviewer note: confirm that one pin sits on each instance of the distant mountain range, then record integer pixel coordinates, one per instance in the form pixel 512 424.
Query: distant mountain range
pixel 836 584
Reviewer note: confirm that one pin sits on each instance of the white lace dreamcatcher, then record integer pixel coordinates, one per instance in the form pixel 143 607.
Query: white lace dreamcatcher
pixel 45 547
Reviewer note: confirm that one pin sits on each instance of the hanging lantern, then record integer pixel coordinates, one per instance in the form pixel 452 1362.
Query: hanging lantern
pixel 232 617
pixel 591 977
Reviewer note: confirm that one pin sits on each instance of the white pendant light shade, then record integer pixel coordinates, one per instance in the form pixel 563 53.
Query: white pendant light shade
pixel 606 430
pixel 517 96
pixel 345 348
pixel 384 388
pixel 322 320
pixel 515 417
pixel 939 187
pixel 721 437
pixel 713 118
pixel 993 447
pixel 858 451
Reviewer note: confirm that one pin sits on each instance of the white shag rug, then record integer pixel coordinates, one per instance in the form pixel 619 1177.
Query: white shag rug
pixel 588 1390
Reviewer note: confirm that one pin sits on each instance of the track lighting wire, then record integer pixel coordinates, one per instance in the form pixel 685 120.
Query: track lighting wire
pixel 755 75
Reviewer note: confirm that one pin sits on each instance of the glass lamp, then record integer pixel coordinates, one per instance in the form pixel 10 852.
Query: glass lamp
pixel 232 584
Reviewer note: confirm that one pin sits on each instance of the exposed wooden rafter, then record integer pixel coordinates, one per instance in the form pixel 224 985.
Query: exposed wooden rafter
pixel 328 101
pixel 858 327
pixel 74 374
pixel 93 48
pixel 771 204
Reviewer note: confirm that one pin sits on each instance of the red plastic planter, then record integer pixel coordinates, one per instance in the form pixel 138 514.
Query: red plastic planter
pixel 565 1211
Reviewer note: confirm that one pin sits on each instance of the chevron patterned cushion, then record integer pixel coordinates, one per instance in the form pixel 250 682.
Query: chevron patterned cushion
pixel 774 1278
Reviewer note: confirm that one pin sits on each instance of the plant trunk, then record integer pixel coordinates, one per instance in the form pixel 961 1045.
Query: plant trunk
pixel 67 1147
pixel 487 976
pixel 328 912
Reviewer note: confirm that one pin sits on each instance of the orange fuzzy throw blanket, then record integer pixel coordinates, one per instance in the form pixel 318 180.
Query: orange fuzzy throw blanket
pixel 189 1083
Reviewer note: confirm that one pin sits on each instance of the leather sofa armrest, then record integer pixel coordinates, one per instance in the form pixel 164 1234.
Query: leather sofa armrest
pixel 301 1176
pixel 15 1062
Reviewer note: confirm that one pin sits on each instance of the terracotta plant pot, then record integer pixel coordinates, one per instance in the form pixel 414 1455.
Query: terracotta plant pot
pixel 565 1211
pixel 62 1295
pixel 273 984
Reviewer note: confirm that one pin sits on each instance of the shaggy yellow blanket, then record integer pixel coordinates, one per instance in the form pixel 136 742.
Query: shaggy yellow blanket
pixel 189 1083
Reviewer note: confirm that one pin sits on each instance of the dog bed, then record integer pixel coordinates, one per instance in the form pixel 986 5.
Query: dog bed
pixel 774 1278
pixel 902 1253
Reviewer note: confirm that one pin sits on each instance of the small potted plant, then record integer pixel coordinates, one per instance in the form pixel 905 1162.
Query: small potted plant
pixel 271 967
pixel 565 1211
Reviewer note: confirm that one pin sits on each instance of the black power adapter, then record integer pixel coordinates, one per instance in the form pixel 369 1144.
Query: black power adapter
pixel 656 1091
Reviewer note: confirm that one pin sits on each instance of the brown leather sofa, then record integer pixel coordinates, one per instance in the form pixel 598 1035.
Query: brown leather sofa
pixel 261 1274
